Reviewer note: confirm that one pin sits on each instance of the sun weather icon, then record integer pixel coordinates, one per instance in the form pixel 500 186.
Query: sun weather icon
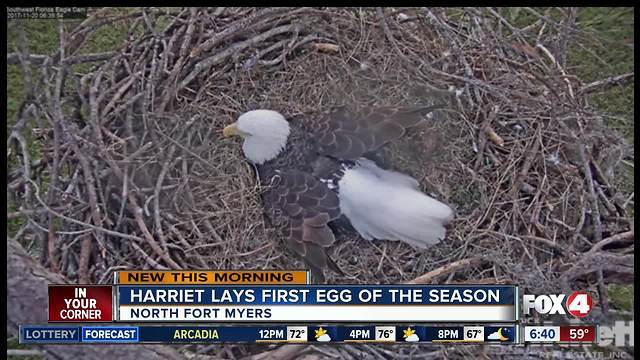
pixel 410 335
pixel 321 335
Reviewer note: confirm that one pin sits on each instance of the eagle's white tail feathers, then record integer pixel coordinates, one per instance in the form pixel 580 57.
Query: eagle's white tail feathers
pixel 387 175
pixel 383 204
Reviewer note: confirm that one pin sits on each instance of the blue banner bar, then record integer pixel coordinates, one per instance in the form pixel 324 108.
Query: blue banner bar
pixel 317 295
pixel 114 334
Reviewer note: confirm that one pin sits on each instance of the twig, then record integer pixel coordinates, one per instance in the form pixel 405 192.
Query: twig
pixel 444 270
pixel 601 85
pixel 85 254
pixel 25 59
pixel 156 195
pixel 569 23
pixel 557 247
pixel 620 237
pixel 591 194
pixel 152 263
pixel 137 213
pixel 39 59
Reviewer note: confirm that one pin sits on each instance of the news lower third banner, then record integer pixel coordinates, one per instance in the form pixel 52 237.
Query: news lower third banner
pixel 273 296
pixel 316 303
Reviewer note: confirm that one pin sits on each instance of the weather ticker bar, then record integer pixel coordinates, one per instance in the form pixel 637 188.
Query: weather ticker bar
pixel 139 334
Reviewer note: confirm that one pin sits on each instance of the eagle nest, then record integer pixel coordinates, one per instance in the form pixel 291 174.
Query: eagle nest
pixel 132 172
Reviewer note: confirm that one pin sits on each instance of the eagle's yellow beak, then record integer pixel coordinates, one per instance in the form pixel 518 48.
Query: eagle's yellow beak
pixel 231 130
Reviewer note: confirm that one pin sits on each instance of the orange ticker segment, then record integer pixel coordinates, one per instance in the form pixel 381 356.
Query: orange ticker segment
pixel 242 277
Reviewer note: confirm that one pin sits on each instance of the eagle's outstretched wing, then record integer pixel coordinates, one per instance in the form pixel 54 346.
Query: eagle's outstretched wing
pixel 347 135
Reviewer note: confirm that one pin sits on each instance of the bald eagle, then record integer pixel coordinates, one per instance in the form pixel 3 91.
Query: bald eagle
pixel 319 170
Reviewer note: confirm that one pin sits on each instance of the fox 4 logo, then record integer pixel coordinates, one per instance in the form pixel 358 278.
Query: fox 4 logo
pixel 579 304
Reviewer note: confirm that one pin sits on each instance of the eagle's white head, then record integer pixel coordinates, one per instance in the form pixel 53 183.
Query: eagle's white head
pixel 265 134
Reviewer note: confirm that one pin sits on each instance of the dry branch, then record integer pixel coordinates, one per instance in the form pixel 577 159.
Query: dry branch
pixel 601 85
pixel 445 270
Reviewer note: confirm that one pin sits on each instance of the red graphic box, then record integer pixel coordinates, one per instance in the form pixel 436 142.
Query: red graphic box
pixel 80 303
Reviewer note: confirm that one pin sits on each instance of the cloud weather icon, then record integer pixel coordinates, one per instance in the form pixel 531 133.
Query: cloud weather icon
pixel 498 335
pixel 410 335
pixel 321 335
